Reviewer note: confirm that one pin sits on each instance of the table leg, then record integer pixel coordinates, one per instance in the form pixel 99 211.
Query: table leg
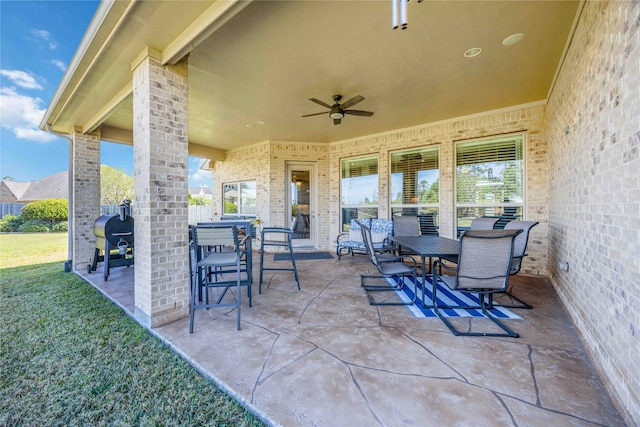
pixel 424 279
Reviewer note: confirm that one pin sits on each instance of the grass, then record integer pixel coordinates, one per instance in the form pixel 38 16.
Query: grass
pixel 18 249
pixel 70 357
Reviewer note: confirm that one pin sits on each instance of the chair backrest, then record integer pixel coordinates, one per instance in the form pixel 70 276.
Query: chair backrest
pixel 381 229
pixel 520 244
pixel 226 235
pixel 483 223
pixel 428 225
pixel 484 260
pixel 355 232
pixel 368 243
pixel 406 226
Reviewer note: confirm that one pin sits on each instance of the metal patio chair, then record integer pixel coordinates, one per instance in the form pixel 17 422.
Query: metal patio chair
pixel 219 257
pixel 389 266
pixel 482 223
pixel 519 252
pixel 277 237
pixel 483 268
pixel 405 226
pixel 428 225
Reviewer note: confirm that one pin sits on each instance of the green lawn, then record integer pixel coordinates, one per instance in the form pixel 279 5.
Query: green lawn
pixel 17 249
pixel 70 357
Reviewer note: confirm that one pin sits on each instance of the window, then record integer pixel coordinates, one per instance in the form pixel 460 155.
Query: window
pixel 415 182
pixel 489 180
pixel 359 189
pixel 240 198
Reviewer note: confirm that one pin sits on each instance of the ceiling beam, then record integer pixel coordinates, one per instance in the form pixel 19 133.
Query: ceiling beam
pixel 114 134
pixel 206 24
pixel 207 152
pixel 125 136
pixel 109 108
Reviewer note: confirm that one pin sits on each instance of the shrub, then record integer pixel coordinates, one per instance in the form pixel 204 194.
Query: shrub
pixel 34 226
pixel 50 210
pixel 61 227
pixel 10 223
pixel 230 208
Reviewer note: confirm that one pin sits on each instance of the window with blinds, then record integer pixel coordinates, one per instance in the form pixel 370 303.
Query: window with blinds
pixel 240 198
pixel 358 189
pixel 415 182
pixel 489 179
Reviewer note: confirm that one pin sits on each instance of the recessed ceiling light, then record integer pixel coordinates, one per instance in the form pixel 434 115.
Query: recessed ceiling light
pixel 260 122
pixel 513 39
pixel 474 51
pixel 249 125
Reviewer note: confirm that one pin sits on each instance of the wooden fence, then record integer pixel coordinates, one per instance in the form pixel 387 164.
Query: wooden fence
pixel 11 209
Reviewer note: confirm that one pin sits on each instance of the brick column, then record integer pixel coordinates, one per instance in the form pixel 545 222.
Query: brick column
pixel 160 209
pixel 84 197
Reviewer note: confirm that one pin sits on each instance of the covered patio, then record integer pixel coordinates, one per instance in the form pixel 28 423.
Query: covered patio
pixel 552 87
pixel 323 356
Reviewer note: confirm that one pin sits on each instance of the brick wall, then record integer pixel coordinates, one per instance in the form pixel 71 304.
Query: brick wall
pixel 249 163
pixel 594 197
pixel 266 163
pixel 531 121
pixel 86 197
pixel 160 209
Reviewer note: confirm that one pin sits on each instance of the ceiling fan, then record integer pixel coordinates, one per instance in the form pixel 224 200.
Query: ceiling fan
pixel 337 110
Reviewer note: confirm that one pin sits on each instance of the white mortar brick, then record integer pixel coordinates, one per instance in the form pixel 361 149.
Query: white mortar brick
pixel 594 204
pixel 85 198
pixel 160 181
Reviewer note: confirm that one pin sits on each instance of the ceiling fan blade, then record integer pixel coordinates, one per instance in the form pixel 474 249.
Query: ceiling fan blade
pixel 315 114
pixel 317 101
pixel 359 113
pixel 337 121
pixel 353 101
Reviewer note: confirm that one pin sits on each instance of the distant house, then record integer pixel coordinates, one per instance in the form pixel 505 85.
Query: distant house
pixel 202 191
pixel 51 187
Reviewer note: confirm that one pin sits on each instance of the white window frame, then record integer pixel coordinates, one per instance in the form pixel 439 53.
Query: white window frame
pixel 343 206
pixel 484 204
pixel 250 210
pixel 422 208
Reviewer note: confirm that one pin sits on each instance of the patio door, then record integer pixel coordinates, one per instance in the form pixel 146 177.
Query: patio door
pixel 301 203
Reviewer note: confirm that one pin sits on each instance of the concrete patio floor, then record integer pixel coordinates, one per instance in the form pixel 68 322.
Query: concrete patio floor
pixel 323 356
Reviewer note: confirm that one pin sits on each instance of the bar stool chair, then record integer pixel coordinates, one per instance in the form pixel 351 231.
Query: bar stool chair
pixel 278 237
pixel 216 269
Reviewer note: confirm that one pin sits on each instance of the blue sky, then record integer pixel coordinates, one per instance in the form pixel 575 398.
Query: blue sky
pixel 37 42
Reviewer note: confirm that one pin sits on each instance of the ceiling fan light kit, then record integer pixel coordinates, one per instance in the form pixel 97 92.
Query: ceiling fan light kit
pixel 337 111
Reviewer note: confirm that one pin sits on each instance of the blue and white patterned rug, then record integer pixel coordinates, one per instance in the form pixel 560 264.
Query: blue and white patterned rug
pixel 447 297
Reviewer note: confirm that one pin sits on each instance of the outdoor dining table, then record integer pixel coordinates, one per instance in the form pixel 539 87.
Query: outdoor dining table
pixel 428 246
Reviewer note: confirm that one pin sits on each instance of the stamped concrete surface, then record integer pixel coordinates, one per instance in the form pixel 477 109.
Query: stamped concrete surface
pixel 322 356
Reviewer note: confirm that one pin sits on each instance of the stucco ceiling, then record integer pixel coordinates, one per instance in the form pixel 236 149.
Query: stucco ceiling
pixel 264 63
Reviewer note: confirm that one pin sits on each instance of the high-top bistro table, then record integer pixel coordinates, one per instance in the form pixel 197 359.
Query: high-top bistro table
pixel 428 246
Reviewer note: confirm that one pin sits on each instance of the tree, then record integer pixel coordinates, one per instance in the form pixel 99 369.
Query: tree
pixel 115 186
pixel 199 200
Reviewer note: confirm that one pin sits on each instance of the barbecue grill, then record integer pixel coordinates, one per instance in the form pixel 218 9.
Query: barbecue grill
pixel 114 240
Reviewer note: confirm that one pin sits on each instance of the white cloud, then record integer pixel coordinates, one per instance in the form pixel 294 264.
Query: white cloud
pixel 21 78
pixel 61 65
pixel 45 35
pixel 202 176
pixel 21 115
